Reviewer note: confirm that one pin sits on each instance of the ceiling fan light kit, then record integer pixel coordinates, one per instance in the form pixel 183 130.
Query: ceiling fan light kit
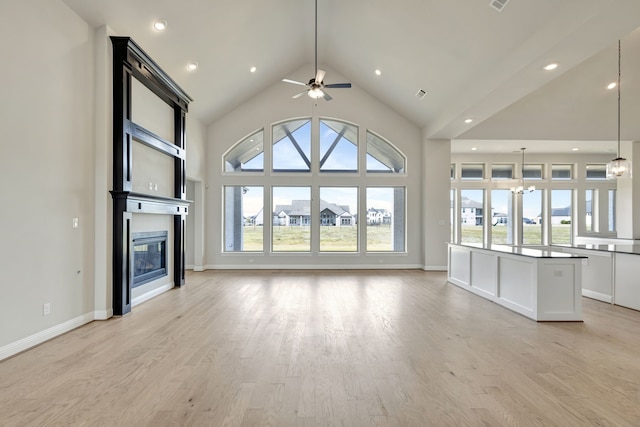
pixel 316 85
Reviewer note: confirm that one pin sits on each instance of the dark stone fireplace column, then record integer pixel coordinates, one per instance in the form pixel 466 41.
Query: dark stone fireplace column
pixel 130 61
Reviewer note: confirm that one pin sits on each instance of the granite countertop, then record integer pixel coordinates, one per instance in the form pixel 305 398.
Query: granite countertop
pixel 621 249
pixel 523 251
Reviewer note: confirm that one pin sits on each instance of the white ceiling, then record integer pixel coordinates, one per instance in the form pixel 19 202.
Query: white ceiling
pixel 472 61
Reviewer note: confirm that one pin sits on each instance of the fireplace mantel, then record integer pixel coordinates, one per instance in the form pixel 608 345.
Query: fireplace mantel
pixel 131 62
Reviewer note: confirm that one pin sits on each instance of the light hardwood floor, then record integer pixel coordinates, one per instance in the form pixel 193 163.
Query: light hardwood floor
pixel 325 348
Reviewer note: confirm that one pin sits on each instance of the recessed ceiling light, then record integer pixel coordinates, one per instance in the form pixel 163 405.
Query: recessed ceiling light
pixel 378 72
pixel 575 149
pixel 612 85
pixel 551 66
pixel 253 69
pixel 192 66
pixel 468 120
pixel 474 148
pixel 160 25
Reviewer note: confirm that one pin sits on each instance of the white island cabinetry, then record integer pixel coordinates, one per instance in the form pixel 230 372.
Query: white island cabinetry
pixel 540 284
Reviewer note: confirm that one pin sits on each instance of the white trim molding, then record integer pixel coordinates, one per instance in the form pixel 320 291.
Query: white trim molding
pixel 151 294
pixel 42 336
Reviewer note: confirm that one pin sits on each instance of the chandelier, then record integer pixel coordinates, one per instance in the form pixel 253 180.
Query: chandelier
pixel 619 167
pixel 520 189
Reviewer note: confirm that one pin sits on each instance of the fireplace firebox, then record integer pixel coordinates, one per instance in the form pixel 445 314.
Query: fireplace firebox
pixel 149 256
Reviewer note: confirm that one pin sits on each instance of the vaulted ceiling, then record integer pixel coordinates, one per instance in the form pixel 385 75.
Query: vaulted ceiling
pixel 473 61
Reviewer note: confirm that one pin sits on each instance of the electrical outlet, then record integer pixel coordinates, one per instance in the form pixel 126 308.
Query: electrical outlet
pixel 46 309
pixel 75 222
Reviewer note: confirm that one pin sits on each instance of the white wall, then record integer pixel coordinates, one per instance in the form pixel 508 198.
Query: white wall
pixel 46 168
pixel 436 203
pixel 352 105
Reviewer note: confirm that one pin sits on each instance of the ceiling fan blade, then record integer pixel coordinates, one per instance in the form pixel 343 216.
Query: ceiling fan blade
pixel 320 76
pixel 339 85
pixel 298 95
pixel 294 82
pixel 326 96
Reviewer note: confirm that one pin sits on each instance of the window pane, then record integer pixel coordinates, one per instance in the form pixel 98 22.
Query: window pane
pixel 588 221
pixel 597 172
pixel 338 147
pixel 386 219
pixel 291 219
pixel 501 217
pixel 247 155
pixel 338 229
pixel 561 171
pixel 472 171
pixel 471 215
pixel 612 210
pixel 382 156
pixel 292 146
pixel 453 171
pixel 532 172
pixel 501 171
pixel 243 219
pixel 561 229
pixel 532 218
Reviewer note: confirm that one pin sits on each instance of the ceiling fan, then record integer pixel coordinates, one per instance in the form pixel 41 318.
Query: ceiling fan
pixel 316 86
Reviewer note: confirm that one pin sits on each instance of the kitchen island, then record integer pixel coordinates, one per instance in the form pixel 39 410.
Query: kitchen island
pixel 543 285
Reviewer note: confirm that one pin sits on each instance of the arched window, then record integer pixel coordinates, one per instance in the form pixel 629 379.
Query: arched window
pixel 382 156
pixel 268 212
pixel 247 155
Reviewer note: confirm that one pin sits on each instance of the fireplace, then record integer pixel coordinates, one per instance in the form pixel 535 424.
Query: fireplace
pixel 149 256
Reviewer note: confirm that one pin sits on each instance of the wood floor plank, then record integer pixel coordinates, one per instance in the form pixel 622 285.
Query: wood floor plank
pixel 325 348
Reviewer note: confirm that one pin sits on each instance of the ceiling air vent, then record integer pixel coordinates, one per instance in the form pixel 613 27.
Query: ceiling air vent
pixel 498 4
pixel 421 93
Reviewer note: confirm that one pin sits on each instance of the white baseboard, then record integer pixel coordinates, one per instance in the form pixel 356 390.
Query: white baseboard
pixel 42 336
pixel 151 294
pixel 434 267
pixel 316 267
pixel 188 267
pixel 597 295
pixel 103 314
pixel 199 268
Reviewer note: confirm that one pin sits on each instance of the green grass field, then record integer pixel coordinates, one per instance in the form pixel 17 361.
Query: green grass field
pixel 332 239
pixel 345 239
pixel 532 234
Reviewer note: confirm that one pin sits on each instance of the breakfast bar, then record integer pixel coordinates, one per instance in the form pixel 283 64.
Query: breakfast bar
pixel 543 285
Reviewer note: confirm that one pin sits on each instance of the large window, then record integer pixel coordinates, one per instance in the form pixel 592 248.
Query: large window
pixel 612 211
pixel 338 146
pixel 561 216
pixel 247 155
pixel 291 219
pixel 301 191
pixel 382 156
pixel 589 222
pixel 501 217
pixel 571 199
pixel 471 216
pixel 385 219
pixel 292 146
pixel 338 213
pixel 243 218
pixel 532 218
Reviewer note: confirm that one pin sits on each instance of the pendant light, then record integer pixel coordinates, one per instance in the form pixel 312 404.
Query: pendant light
pixel 619 167
pixel 520 188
